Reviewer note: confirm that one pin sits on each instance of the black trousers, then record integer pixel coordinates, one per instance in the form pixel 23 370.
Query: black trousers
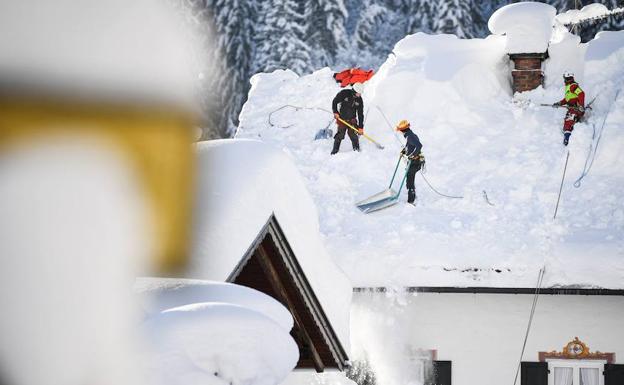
pixel 340 134
pixel 415 165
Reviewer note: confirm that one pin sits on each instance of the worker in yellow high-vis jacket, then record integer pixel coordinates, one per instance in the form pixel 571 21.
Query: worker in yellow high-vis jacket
pixel 574 99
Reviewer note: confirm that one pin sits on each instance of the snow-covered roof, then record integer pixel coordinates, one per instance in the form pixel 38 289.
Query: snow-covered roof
pixel 527 25
pixel 103 49
pixel 160 294
pixel 589 11
pixel 214 333
pixel 604 45
pixel 241 184
pixel 505 159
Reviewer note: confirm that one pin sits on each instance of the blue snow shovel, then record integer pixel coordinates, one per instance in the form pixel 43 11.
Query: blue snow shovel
pixel 386 198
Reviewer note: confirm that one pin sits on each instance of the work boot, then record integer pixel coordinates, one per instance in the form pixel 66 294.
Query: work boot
pixel 356 148
pixel 411 195
pixel 566 138
pixel 336 147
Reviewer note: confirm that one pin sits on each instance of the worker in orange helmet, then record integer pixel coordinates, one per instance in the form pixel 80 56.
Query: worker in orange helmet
pixel 411 151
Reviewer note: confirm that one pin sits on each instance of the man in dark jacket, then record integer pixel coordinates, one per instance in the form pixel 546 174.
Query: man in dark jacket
pixel 346 105
pixel 412 152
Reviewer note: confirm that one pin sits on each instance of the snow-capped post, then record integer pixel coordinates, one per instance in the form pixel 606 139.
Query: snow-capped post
pixel 528 27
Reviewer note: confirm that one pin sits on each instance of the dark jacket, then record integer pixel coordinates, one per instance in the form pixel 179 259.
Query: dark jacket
pixel 350 105
pixel 413 145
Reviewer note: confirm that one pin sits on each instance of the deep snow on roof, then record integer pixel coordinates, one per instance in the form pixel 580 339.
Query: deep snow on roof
pixel 241 184
pixel 504 158
pixel 214 333
pixel 587 12
pixel 528 26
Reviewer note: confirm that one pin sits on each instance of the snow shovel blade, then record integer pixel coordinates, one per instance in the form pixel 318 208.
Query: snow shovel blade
pixel 324 133
pixel 378 201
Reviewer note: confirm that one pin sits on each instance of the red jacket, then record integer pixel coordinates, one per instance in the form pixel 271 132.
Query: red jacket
pixel 579 100
pixel 352 75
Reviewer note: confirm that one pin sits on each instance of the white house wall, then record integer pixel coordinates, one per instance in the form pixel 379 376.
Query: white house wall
pixel 482 334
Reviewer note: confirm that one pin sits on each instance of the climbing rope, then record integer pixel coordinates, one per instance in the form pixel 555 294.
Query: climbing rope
pixel 436 191
pixel 297 108
pixel 594 149
pixel 540 278
pixel 390 126
pixel 561 187
pixel 485 196
pixel 424 168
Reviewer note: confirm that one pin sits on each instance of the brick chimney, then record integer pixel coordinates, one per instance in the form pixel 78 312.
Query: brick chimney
pixel 527 73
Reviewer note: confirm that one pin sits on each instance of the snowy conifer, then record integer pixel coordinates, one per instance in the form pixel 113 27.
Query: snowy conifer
pixel 280 38
pixel 371 18
pixel 326 31
pixel 420 15
pixel 233 54
pixel 456 17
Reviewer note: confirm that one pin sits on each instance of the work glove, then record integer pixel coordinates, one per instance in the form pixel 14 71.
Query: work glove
pixel 360 130
pixel 403 151
pixel 336 115
pixel 580 109
pixel 557 104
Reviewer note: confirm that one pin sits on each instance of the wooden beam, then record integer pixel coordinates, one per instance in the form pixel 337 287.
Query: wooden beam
pixel 273 276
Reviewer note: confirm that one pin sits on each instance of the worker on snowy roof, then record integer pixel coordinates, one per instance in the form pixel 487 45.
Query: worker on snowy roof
pixel 348 108
pixel 412 152
pixel 574 99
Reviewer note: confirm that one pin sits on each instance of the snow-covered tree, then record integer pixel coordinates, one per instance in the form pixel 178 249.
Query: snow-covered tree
pixel 361 373
pixel 420 15
pixel 371 18
pixel 326 31
pixel 456 17
pixel 233 55
pixel 280 37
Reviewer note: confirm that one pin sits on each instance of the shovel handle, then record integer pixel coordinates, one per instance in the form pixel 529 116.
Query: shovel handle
pixel 379 146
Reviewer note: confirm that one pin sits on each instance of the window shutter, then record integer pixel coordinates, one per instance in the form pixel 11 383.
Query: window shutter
pixel 614 374
pixel 440 375
pixel 534 373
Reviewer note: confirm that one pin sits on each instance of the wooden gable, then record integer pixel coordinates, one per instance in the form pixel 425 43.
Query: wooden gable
pixel 270 266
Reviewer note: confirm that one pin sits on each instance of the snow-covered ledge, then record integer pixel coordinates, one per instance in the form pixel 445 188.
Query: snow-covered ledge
pixel 528 28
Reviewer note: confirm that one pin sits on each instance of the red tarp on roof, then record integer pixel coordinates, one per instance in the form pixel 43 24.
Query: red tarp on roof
pixel 352 75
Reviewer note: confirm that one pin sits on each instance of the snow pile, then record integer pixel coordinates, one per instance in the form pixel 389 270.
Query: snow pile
pixel 527 25
pixel 587 12
pixel 504 159
pixel 215 333
pixel 241 184
pixel 566 54
pixel 605 45
pixel 160 294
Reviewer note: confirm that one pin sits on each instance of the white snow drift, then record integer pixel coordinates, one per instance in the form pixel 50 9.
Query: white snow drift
pixel 527 26
pixel 214 333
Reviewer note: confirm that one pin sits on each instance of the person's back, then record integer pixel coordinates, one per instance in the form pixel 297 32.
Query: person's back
pixel 348 108
pixel 412 152
pixel 347 102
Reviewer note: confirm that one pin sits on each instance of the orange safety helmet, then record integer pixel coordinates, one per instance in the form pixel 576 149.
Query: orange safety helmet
pixel 403 125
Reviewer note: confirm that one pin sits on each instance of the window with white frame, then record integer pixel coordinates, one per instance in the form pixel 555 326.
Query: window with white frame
pixel 576 372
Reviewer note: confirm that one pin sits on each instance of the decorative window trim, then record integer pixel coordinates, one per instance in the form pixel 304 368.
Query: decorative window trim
pixel 577 350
